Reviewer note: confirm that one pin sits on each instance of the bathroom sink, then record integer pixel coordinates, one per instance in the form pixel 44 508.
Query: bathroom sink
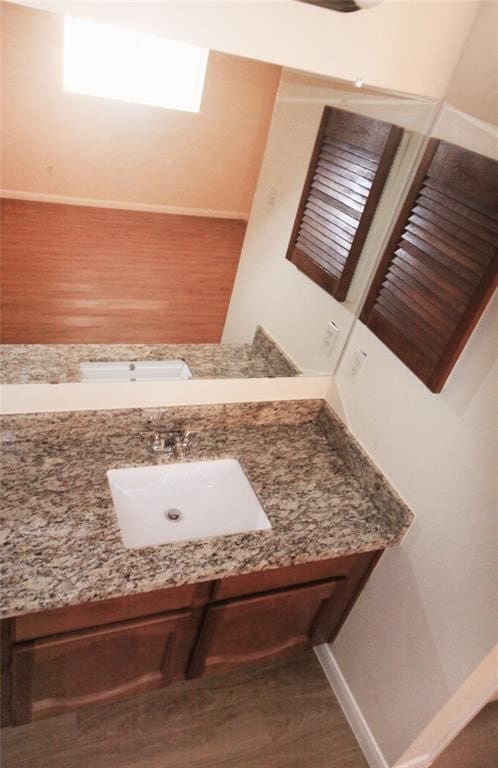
pixel 177 502
pixel 135 370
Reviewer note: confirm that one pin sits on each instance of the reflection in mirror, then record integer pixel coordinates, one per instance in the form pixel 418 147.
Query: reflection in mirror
pixel 151 256
pixel 350 164
pixel 268 289
pixel 66 363
pixel 124 223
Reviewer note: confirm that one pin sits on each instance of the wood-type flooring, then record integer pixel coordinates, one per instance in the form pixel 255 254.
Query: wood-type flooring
pixel 282 715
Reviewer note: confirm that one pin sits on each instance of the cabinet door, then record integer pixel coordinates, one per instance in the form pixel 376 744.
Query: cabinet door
pixel 61 673
pixel 261 627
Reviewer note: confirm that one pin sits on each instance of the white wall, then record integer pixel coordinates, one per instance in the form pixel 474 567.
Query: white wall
pixel 474 85
pixel 405 45
pixel 270 290
pixel 429 615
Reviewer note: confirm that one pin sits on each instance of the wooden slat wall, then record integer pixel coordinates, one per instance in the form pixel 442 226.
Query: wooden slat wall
pixel 73 274
pixel 440 266
pixel 348 170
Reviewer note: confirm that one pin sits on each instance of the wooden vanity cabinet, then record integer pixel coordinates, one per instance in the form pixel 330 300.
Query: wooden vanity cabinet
pixel 260 627
pixel 63 672
pixel 268 614
pixel 58 660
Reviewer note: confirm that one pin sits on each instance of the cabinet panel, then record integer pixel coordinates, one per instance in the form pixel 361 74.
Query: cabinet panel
pixel 261 627
pixel 58 674
pixel 69 618
pixel 299 573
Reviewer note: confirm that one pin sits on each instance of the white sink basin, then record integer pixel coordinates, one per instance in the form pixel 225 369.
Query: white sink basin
pixel 177 502
pixel 136 370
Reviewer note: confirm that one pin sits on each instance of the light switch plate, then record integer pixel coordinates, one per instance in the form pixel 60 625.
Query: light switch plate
pixel 357 364
pixel 330 338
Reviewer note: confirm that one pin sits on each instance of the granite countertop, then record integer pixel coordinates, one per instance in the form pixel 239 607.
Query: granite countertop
pixel 59 363
pixel 62 544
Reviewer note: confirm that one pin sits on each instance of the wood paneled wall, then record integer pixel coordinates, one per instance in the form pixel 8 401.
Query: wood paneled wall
pixel 73 274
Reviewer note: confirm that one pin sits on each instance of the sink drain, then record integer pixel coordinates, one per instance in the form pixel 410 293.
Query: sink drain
pixel 174 515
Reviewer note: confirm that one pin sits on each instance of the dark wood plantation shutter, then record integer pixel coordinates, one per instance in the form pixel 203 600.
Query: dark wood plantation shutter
pixel 348 170
pixel 440 266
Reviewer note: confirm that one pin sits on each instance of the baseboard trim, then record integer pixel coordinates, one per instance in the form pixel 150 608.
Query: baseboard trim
pixel 90 202
pixel 364 736
pixel 352 711
pixel 417 762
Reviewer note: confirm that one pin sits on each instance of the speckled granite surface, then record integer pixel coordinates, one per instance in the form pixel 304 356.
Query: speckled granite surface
pixel 59 363
pixel 61 540
pixel 275 356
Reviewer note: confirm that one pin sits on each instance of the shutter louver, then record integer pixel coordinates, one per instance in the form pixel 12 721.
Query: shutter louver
pixel 440 266
pixel 349 166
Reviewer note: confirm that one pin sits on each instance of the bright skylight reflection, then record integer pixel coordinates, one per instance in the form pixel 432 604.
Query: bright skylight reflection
pixel 115 63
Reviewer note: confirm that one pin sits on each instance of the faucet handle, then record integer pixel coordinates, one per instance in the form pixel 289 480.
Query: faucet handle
pixel 181 443
pixel 151 435
pixel 156 442
pixel 182 438
pixel 186 437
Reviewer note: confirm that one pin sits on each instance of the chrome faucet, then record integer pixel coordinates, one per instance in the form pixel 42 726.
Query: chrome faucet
pixel 157 442
pixel 181 443
pixel 167 442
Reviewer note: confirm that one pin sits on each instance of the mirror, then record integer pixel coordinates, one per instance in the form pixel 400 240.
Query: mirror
pixel 228 180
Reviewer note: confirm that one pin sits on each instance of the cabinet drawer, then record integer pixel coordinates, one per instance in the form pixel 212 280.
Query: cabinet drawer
pixel 261 627
pixel 278 578
pixel 53 622
pixel 62 673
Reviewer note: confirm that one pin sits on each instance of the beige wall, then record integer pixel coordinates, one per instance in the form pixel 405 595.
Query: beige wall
pixel 111 150
pixel 428 617
pixel 474 85
pixel 405 45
